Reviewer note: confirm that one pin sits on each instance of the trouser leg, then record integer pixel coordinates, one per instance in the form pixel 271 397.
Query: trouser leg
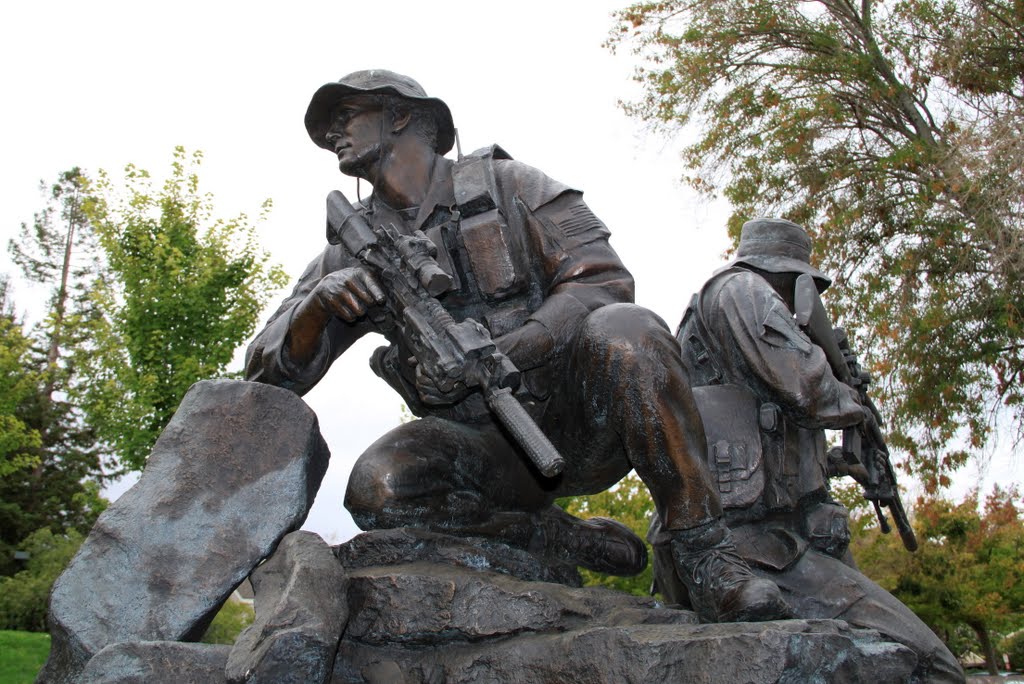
pixel 820 586
pixel 630 387
pixel 442 475
pixel 623 403
pixel 469 480
pixel 630 400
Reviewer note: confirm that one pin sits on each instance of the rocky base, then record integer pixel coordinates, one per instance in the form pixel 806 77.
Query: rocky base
pixel 428 608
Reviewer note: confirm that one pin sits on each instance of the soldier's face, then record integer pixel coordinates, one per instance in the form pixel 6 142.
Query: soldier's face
pixel 357 131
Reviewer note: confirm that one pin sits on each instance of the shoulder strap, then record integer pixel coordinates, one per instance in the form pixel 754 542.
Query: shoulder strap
pixel 473 179
pixel 699 356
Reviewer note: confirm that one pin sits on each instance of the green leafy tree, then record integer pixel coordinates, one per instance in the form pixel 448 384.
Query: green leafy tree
pixel 968 575
pixel 893 131
pixel 24 596
pixel 26 503
pixel 17 383
pixel 180 292
pixel 630 503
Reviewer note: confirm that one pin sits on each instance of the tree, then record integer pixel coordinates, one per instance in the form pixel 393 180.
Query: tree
pixel 17 383
pixel 60 491
pixel 64 258
pixel 968 572
pixel 180 292
pixel 630 503
pixel 892 131
pixel 35 489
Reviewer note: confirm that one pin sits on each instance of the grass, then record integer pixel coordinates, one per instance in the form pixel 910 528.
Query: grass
pixel 22 655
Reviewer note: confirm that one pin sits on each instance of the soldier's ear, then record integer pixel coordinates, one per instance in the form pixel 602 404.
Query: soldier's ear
pixel 401 120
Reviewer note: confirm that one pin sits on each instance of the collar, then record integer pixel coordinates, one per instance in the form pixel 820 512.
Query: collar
pixel 440 193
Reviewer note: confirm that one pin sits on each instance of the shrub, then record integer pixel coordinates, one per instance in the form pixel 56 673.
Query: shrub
pixel 229 622
pixel 23 597
pixel 1013 646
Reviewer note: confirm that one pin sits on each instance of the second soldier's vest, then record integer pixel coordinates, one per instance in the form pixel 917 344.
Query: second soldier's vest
pixel 746 437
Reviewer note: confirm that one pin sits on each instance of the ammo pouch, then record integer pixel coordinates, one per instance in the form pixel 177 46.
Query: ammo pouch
pixel 698 359
pixel 827 528
pixel 730 415
pixel 746 439
pixel 483 228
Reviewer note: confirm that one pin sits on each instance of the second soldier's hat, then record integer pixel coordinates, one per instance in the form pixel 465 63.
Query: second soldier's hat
pixel 375 82
pixel 778 246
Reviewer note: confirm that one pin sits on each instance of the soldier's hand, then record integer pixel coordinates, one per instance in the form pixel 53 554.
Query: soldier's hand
pixel 432 395
pixel 348 293
pixel 838 467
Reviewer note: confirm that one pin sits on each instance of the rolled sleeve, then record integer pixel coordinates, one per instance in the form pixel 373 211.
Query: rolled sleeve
pixel 267 359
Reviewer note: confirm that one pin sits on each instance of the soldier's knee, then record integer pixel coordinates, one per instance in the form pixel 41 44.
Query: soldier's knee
pixel 370 491
pixel 621 321
pixel 627 333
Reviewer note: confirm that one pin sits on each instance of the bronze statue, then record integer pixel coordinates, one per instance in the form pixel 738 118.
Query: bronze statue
pixel 487 277
pixel 766 392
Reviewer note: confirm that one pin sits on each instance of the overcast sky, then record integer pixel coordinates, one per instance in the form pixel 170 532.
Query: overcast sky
pixel 103 84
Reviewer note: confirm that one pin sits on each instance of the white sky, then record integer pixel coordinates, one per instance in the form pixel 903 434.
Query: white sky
pixel 106 83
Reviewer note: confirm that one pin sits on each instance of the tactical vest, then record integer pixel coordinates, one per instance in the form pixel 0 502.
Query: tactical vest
pixel 490 260
pixel 491 282
pixel 746 438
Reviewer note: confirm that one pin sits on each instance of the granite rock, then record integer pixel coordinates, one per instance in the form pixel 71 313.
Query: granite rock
pixel 157 662
pixel 235 470
pixel 428 621
pixel 301 610
pixel 410 545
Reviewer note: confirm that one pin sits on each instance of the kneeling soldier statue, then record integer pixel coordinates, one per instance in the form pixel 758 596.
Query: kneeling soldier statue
pixel 767 374
pixel 513 336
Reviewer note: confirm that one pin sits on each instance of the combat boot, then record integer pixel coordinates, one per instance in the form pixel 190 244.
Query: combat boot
pixel 597 544
pixel 720 584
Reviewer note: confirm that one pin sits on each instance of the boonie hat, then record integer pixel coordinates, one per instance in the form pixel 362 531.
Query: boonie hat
pixel 375 82
pixel 778 246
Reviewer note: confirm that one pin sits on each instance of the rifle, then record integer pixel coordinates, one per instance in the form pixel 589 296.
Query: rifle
pixel 448 352
pixel 863 444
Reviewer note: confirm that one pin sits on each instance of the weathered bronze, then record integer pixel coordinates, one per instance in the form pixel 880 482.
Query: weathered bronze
pixel 527 273
pixel 766 392
pixel 864 454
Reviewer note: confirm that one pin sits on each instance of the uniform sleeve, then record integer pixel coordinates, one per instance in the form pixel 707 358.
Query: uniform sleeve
pixel 751 322
pixel 267 359
pixel 579 269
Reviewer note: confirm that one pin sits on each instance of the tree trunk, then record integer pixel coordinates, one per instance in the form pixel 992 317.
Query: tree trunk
pixel 991 662
pixel 61 304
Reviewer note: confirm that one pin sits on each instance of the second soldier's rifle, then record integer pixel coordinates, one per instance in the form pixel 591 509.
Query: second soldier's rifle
pixel 449 353
pixel 863 444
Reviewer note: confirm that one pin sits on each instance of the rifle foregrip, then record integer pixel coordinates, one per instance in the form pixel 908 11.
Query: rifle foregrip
pixel 525 432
